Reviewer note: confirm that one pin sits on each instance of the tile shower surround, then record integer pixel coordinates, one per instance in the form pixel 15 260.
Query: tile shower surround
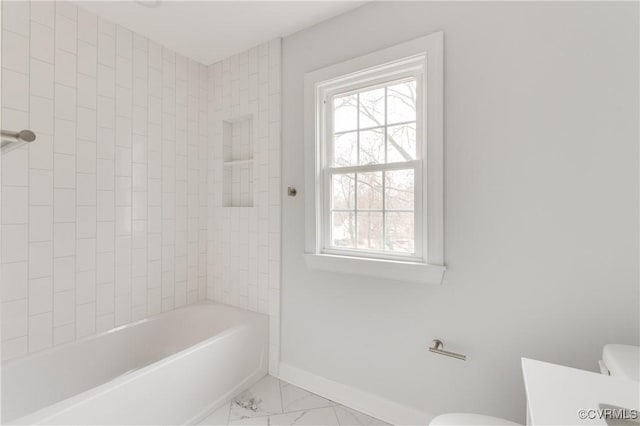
pixel 107 217
pixel 244 242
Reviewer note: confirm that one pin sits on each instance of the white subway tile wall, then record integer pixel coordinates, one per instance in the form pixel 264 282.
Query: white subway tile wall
pixel 244 242
pixel 104 216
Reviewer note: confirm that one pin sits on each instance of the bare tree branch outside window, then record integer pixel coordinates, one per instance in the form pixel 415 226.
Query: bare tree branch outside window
pixel 375 210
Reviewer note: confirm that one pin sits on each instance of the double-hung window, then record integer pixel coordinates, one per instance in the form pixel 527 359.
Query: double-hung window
pixel 372 178
pixel 374 164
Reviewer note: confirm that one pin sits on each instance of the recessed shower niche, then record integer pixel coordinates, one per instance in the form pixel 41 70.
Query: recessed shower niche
pixel 238 161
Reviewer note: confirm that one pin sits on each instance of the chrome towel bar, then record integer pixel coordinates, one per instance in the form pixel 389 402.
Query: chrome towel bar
pixel 437 348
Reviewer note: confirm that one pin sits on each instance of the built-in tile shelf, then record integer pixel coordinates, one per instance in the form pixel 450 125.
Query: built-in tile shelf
pixel 238 171
pixel 238 162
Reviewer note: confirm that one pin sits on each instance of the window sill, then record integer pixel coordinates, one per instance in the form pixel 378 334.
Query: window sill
pixel 378 268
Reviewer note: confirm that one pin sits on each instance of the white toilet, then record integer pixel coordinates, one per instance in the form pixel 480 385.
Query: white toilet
pixel 617 360
pixel 468 419
pixel 621 360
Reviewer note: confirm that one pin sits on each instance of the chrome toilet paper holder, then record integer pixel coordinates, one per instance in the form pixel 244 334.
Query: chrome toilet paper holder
pixel 437 347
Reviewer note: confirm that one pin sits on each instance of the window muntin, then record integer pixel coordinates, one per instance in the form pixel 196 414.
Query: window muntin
pixel 374 170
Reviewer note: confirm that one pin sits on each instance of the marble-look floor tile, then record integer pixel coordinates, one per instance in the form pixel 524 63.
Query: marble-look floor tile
pixel 262 399
pixel 272 402
pixel 297 399
pixel 251 421
pixel 319 416
pixel 218 417
pixel 349 417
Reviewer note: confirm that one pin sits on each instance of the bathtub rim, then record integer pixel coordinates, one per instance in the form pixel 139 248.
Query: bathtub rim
pixel 50 411
pixel 57 348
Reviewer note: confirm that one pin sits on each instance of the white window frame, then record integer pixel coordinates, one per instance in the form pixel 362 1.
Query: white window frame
pixel 422 59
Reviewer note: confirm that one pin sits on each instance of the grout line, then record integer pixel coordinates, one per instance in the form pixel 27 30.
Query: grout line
pixel 95 269
pixel 29 192
pixel 335 413
pixel 281 398
pixel 229 411
pixel 113 128
pixel 130 176
pixel 75 260
pixel 175 186
pixel 53 171
pixel 159 100
pixel 148 178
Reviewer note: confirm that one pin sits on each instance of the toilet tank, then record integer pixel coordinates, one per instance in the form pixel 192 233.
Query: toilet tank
pixel 621 360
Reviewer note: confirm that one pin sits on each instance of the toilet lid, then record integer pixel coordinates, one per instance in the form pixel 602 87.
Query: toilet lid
pixel 622 360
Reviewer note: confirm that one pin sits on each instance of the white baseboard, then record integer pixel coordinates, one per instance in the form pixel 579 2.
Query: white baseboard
pixel 370 404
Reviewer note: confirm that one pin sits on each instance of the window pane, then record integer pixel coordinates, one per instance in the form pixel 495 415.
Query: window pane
pixel 374 210
pixel 401 143
pixel 345 149
pixel 370 191
pixel 401 100
pixel 343 231
pixel 370 230
pixel 372 146
pixel 343 192
pixel 345 113
pixel 372 108
pixel 399 229
pixel 399 190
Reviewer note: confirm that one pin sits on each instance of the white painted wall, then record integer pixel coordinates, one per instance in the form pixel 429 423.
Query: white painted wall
pixel 541 206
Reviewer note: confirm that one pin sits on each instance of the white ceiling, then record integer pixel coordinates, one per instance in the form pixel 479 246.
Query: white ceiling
pixel 209 31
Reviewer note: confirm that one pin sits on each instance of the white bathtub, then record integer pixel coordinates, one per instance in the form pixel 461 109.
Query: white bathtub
pixel 170 369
